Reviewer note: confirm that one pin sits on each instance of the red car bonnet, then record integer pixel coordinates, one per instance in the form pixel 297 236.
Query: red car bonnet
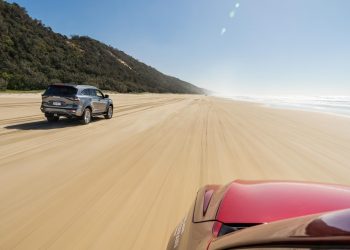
pixel 262 202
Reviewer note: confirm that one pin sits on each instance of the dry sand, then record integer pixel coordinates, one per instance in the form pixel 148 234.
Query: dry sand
pixel 125 183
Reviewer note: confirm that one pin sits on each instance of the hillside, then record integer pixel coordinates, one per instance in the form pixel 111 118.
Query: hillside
pixel 33 56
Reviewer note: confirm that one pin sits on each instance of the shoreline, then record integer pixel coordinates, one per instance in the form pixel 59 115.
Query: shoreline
pixel 34 94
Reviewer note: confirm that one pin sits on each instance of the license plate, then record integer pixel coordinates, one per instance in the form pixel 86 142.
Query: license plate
pixel 56 103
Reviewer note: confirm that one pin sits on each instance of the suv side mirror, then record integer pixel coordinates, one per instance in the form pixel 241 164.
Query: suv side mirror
pixel 106 96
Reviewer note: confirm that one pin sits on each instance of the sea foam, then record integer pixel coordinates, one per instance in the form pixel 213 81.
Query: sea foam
pixel 339 105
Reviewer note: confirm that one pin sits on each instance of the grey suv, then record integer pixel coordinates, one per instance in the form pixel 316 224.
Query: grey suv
pixel 69 100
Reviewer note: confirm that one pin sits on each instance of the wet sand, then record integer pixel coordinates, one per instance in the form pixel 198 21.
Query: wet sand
pixel 125 183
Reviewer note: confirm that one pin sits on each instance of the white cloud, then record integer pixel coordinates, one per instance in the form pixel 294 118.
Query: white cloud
pixel 237 5
pixel 223 31
pixel 232 14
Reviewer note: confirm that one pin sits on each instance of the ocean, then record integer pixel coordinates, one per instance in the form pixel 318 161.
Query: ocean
pixel 339 105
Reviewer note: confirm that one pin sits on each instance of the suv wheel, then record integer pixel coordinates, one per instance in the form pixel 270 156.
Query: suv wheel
pixel 52 118
pixel 109 113
pixel 86 117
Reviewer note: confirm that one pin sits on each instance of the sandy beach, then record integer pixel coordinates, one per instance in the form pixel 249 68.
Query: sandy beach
pixel 125 183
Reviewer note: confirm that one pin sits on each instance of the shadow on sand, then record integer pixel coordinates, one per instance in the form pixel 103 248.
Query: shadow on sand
pixel 45 125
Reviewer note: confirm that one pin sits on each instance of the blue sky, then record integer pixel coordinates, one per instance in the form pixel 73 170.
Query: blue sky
pixel 267 47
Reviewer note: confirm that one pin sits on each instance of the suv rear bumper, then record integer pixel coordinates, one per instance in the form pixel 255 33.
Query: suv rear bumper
pixel 62 111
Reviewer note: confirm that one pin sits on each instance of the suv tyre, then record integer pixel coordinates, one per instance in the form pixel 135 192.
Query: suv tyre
pixel 52 118
pixel 86 117
pixel 109 113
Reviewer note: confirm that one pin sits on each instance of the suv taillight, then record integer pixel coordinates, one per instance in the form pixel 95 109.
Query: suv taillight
pixel 74 99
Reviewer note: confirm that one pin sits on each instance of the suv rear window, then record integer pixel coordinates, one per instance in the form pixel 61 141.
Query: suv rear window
pixel 58 90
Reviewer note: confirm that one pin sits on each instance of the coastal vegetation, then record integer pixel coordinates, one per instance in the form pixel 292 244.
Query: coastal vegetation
pixel 32 56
